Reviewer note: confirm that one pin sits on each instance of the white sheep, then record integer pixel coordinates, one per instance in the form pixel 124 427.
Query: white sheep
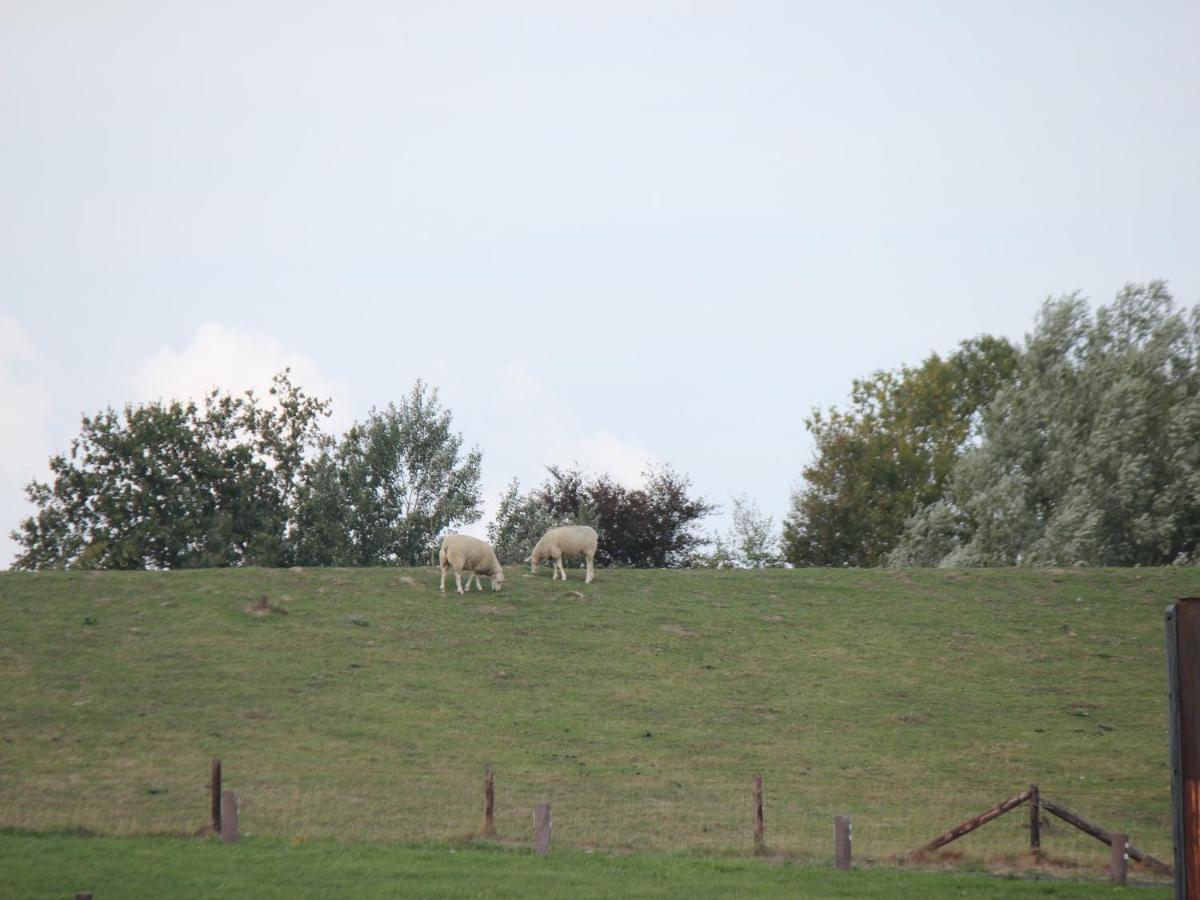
pixel 569 540
pixel 470 555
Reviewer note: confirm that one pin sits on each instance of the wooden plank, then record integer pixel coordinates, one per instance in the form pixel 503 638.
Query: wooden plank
pixel 1102 834
pixel 971 824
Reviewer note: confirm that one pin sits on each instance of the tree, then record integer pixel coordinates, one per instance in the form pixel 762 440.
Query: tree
pixel 1089 455
pixel 750 543
pixel 520 522
pixel 389 490
pixel 171 485
pixel 890 454
pixel 653 526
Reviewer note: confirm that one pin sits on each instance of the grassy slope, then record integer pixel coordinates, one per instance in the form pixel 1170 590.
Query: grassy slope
pixel 640 705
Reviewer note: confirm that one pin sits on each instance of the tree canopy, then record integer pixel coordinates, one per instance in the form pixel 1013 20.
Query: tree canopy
pixel 890 453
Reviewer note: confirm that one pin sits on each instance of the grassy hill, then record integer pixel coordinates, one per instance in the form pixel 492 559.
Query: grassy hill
pixel 363 705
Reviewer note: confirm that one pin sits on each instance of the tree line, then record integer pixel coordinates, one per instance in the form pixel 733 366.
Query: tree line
pixel 1079 446
pixel 234 480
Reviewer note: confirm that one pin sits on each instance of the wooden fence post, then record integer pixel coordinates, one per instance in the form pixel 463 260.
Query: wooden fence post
pixel 1183 675
pixel 759 845
pixel 216 796
pixel 541 829
pixel 489 802
pixel 841 841
pixel 1035 824
pixel 229 817
pixel 1118 858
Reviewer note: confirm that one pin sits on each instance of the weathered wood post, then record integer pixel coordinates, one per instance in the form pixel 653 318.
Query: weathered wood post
pixel 229 817
pixel 1035 824
pixel 1118 858
pixel 1183 694
pixel 216 796
pixel 541 829
pixel 841 841
pixel 489 802
pixel 759 845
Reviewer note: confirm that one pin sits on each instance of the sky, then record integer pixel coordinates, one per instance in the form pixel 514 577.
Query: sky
pixel 609 233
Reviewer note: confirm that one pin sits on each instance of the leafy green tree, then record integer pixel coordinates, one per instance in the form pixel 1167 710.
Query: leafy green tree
pixel 171 485
pixel 890 453
pixel 653 526
pixel 520 521
pixel 750 543
pixel 389 490
pixel 1090 454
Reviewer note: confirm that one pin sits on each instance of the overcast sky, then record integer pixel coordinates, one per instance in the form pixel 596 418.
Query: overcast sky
pixel 608 232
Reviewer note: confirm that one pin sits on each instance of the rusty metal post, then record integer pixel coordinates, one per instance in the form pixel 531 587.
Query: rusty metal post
pixel 489 802
pixel 541 829
pixel 841 841
pixel 1183 693
pixel 216 796
pixel 759 845
pixel 1118 858
pixel 229 817
pixel 1035 824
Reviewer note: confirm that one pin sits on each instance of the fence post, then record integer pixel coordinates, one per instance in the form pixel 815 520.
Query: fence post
pixel 1035 824
pixel 229 817
pixel 841 841
pixel 216 796
pixel 1183 674
pixel 1118 858
pixel 489 802
pixel 759 846
pixel 541 829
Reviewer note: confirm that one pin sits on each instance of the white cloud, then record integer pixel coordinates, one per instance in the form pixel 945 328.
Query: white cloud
pixel 602 452
pixel 219 357
pixel 24 439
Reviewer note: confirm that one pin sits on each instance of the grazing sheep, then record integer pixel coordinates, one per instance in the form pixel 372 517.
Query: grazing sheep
pixel 569 540
pixel 470 555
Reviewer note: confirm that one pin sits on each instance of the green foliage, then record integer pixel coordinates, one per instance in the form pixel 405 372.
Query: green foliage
pixel 750 543
pixel 890 454
pixel 653 526
pixel 389 490
pixel 520 522
pixel 1090 454
pixel 174 485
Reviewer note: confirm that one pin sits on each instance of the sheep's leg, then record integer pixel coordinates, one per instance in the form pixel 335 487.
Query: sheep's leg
pixel 478 583
pixel 458 580
pixel 559 570
pixel 590 573
pixel 444 568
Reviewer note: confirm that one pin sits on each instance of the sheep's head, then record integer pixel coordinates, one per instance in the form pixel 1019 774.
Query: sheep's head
pixel 497 579
pixel 534 558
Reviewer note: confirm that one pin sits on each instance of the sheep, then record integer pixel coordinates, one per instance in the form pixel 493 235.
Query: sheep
pixel 470 555
pixel 569 540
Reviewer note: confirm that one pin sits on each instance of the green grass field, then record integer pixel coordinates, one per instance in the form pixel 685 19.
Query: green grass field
pixel 56 867
pixel 364 705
